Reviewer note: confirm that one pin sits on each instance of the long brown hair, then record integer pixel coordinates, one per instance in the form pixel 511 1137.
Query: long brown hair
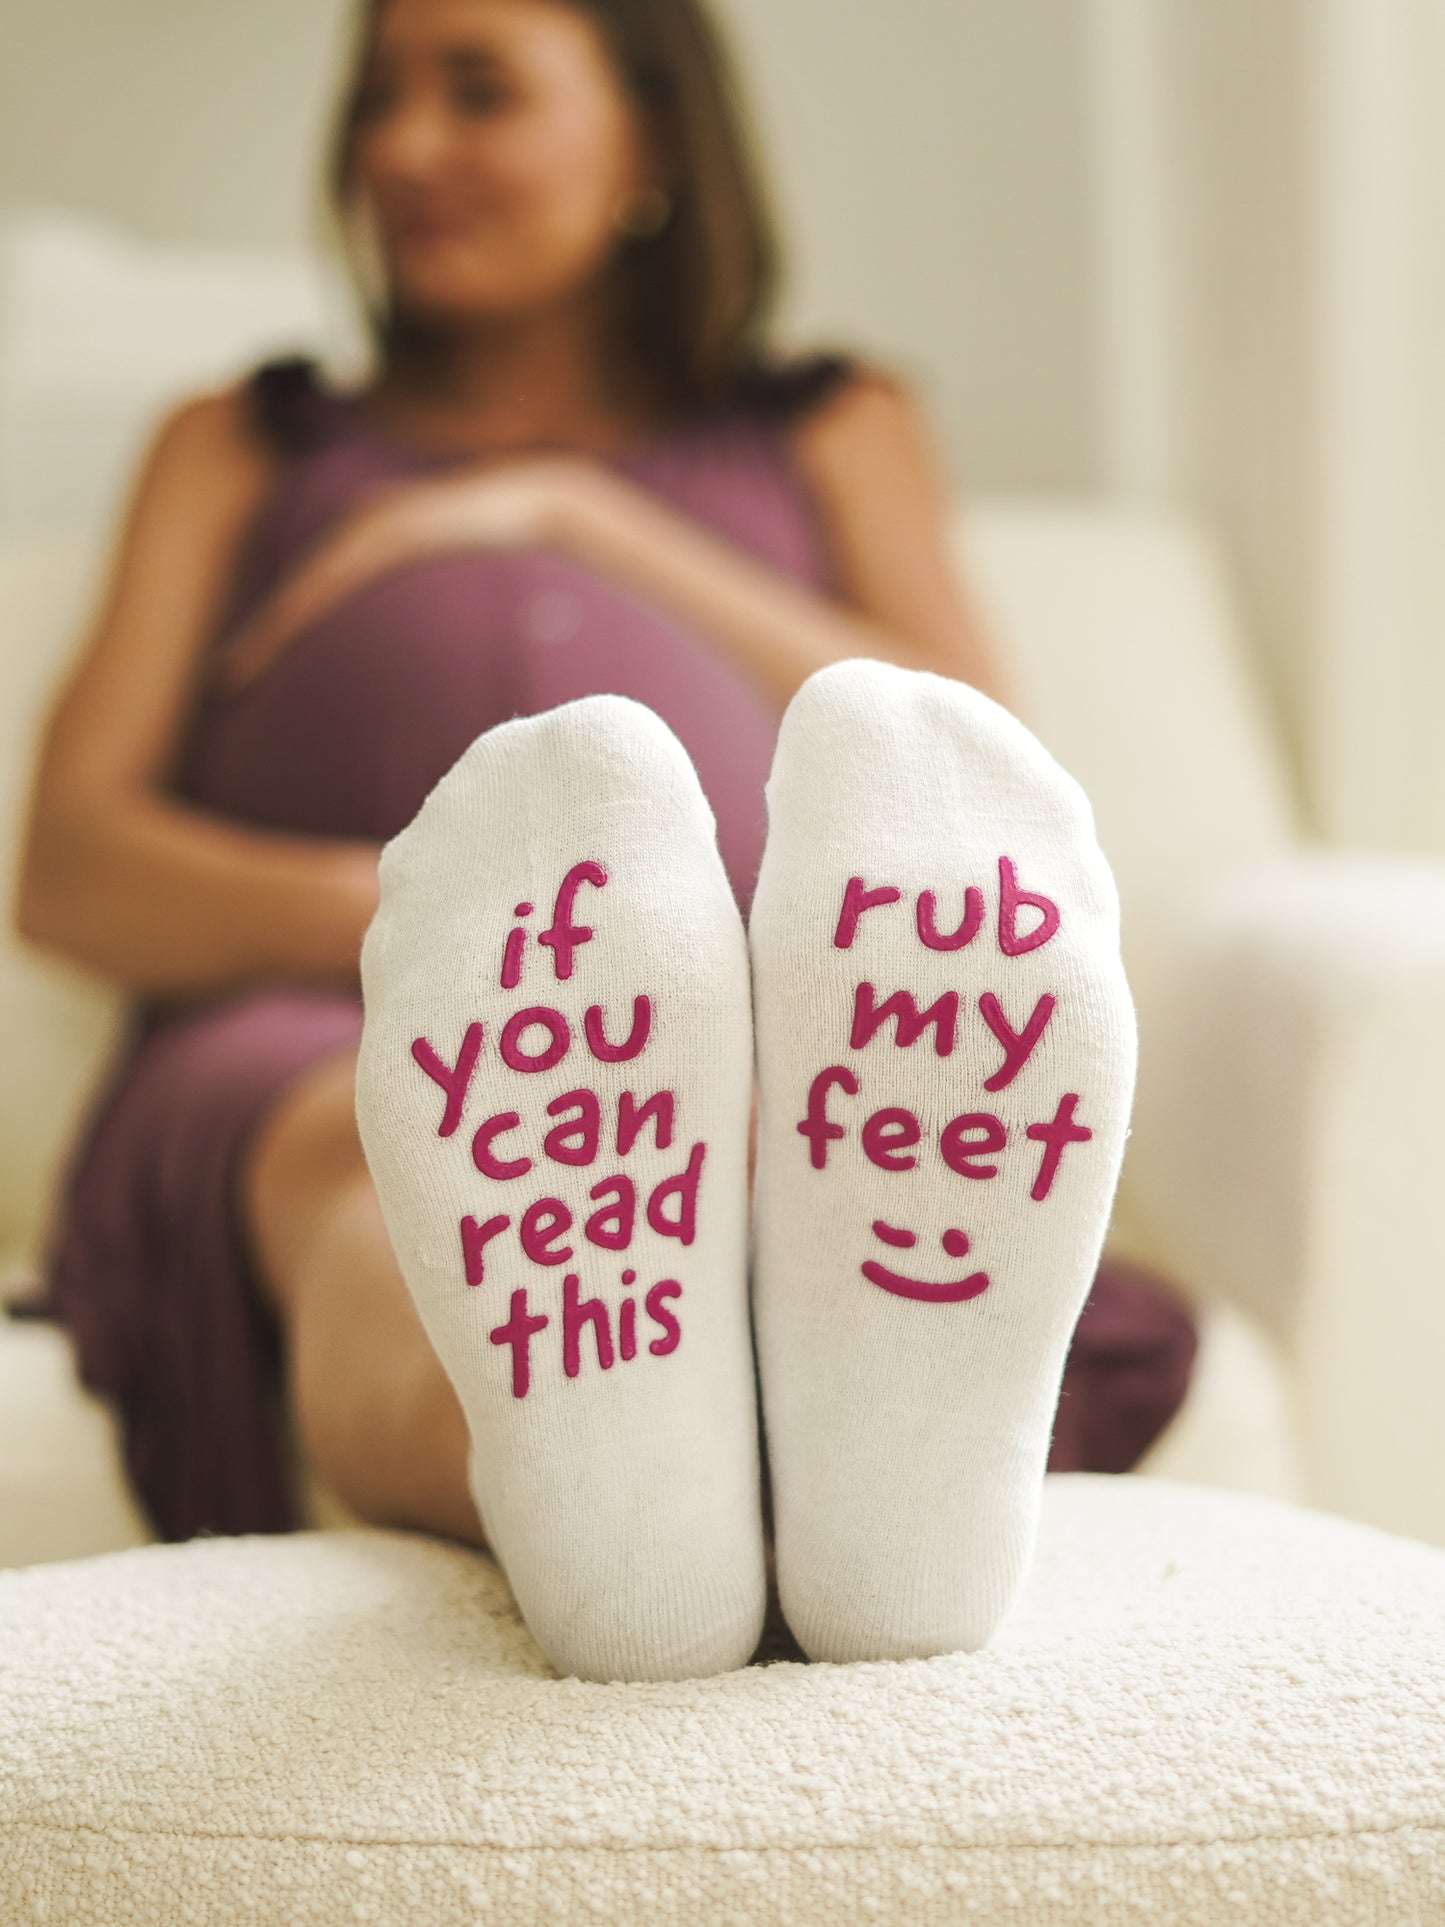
pixel 696 296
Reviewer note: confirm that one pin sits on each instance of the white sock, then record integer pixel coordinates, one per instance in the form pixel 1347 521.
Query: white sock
pixel 553 1094
pixel 908 1430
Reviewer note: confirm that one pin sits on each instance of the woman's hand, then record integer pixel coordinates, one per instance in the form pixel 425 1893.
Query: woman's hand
pixel 885 521
pixel 502 503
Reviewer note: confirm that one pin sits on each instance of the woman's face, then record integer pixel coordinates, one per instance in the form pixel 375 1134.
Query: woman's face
pixel 493 141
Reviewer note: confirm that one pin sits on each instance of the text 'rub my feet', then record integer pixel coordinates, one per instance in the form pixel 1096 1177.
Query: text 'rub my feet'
pixel 572 1131
pixel 970 1143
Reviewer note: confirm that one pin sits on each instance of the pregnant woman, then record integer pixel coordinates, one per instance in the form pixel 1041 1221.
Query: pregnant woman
pixel 575 469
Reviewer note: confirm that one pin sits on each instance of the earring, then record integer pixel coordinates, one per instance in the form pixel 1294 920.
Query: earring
pixel 642 214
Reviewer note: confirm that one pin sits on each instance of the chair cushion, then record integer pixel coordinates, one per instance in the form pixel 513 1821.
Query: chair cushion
pixel 1204 1706
pixel 63 1488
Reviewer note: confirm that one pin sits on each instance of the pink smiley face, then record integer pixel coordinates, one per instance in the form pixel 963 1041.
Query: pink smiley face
pixel 955 1243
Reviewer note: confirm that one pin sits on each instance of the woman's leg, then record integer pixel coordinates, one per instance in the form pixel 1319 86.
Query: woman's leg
pixel 376 1413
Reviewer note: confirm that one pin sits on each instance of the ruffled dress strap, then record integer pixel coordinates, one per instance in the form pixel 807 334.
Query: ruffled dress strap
pixel 290 406
pixel 295 412
pixel 784 389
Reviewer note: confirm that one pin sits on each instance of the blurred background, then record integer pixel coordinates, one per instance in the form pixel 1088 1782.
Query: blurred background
pixel 1190 250
pixel 1169 276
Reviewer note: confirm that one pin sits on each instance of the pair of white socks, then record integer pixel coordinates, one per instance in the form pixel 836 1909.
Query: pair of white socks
pixel 562 1016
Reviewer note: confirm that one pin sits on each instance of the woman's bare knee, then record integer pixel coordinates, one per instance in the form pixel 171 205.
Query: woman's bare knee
pixel 304 1157
pixel 377 1416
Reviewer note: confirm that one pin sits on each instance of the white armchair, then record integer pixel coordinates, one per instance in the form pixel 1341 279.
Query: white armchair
pixel 1287 1140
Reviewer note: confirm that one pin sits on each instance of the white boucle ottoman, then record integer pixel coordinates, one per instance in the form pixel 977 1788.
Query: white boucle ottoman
pixel 1204 1707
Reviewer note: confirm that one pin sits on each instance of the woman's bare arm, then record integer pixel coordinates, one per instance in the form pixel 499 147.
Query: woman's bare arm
pixel 869 457
pixel 116 875
pixel 868 460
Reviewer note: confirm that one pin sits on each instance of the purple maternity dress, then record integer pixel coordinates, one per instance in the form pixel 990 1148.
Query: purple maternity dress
pixel 149 1267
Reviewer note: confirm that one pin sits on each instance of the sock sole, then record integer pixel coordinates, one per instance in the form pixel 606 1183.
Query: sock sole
pixel 553 1093
pixel 940 1012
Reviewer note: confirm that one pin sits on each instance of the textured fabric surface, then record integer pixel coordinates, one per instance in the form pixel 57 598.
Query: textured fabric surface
pixel 1203 1708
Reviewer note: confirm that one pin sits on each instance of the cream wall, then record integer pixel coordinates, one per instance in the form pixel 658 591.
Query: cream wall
pixel 184 119
pixel 929 159
pixel 933 158
pixel 1203 232
pixel 1271 216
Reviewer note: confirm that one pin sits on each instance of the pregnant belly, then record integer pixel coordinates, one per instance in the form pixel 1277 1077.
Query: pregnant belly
pixel 369 707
